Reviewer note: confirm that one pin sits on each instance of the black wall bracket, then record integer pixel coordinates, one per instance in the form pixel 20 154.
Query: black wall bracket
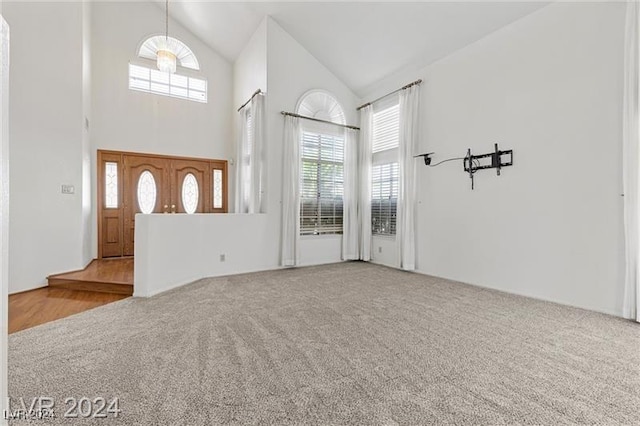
pixel 498 160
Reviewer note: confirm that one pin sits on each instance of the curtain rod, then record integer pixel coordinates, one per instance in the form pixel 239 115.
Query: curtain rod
pixel 257 92
pixel 291 114
pixel 389 94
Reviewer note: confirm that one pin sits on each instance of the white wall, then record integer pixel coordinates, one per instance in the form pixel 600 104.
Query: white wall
pixel 46 120
pixel 87 207
pixel 250 69
pixel 127 120
pixel 549 87
pixel 293 71
pixel 4 210
pixel 176 249
pixel 249 75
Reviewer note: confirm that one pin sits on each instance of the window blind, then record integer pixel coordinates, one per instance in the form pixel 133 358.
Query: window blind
pixel 386 128
pixel 384 199
pixel 322 184
pixel 178 86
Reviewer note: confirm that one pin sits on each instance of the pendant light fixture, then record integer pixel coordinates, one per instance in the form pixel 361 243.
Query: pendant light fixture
pixel 166 59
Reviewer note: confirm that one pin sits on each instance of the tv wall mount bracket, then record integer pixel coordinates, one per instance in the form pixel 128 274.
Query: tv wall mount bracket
pixel 497 160
pixel 472 163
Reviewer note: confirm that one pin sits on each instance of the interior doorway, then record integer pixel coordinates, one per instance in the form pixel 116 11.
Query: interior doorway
pixel 131 183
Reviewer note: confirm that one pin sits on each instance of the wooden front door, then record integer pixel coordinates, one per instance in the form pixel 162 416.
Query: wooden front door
pixel 190 188
pixel 130 184
pixel 147 189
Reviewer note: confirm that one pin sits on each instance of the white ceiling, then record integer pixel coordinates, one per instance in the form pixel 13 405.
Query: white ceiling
pixel 360 42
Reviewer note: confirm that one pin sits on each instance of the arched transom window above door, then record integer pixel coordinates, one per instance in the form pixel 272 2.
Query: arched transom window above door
pixel 186 83
pixel 184 55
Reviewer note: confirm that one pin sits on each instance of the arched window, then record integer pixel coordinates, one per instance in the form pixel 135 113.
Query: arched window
pixel 145 77
pixel 184 55
pixel 322 105
pixel 322 165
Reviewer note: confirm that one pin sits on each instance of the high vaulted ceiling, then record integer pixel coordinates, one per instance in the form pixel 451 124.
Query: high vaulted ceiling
pixel 360 42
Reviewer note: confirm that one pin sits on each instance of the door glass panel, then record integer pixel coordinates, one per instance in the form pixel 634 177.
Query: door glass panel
pixel 111 185
pixel 190 193
pixel 217 189
pixel 146 192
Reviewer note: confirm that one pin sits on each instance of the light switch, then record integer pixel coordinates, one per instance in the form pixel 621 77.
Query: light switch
pixel 68 189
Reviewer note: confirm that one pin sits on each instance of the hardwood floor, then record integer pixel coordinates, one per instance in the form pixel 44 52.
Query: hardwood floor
pixel 117 270
pixel 42 305
pixel 102 275
pixel 103 281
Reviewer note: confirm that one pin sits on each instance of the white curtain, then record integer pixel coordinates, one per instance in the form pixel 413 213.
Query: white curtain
pixel 409 127
pixel 364 206
pixel 350 226
pixel 630 161
pixel 291 192
pixel 250 158
pixel 243 163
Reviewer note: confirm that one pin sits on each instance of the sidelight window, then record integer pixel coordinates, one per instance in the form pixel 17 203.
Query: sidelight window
pixel 217 188
pixel 111 185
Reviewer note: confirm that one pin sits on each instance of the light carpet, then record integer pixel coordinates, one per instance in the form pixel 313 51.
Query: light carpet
pixel 349 343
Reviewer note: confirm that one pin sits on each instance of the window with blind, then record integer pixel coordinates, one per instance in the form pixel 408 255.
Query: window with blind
pixel 384 185
pixel 322 182
pixel 386 129
pixel 384 199
pixel 175 85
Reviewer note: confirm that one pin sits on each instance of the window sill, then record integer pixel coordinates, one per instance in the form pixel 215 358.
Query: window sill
pixel 384 237
pixel 321 237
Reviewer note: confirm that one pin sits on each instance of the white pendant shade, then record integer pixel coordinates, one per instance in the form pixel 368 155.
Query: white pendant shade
pixel 166 61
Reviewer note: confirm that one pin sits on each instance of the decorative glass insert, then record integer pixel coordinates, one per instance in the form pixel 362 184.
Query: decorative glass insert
pixel 146 192
pixel 111 185
pixel 217 189
pixel 190 193
pixel 178 86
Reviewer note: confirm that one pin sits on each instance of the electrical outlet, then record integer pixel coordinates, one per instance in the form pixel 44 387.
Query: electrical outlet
pixel 223 257
pixel 68 189
pixel 379 249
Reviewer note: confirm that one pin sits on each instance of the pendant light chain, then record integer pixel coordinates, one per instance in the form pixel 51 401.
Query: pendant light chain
pixel 166 33
pixel 165 56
